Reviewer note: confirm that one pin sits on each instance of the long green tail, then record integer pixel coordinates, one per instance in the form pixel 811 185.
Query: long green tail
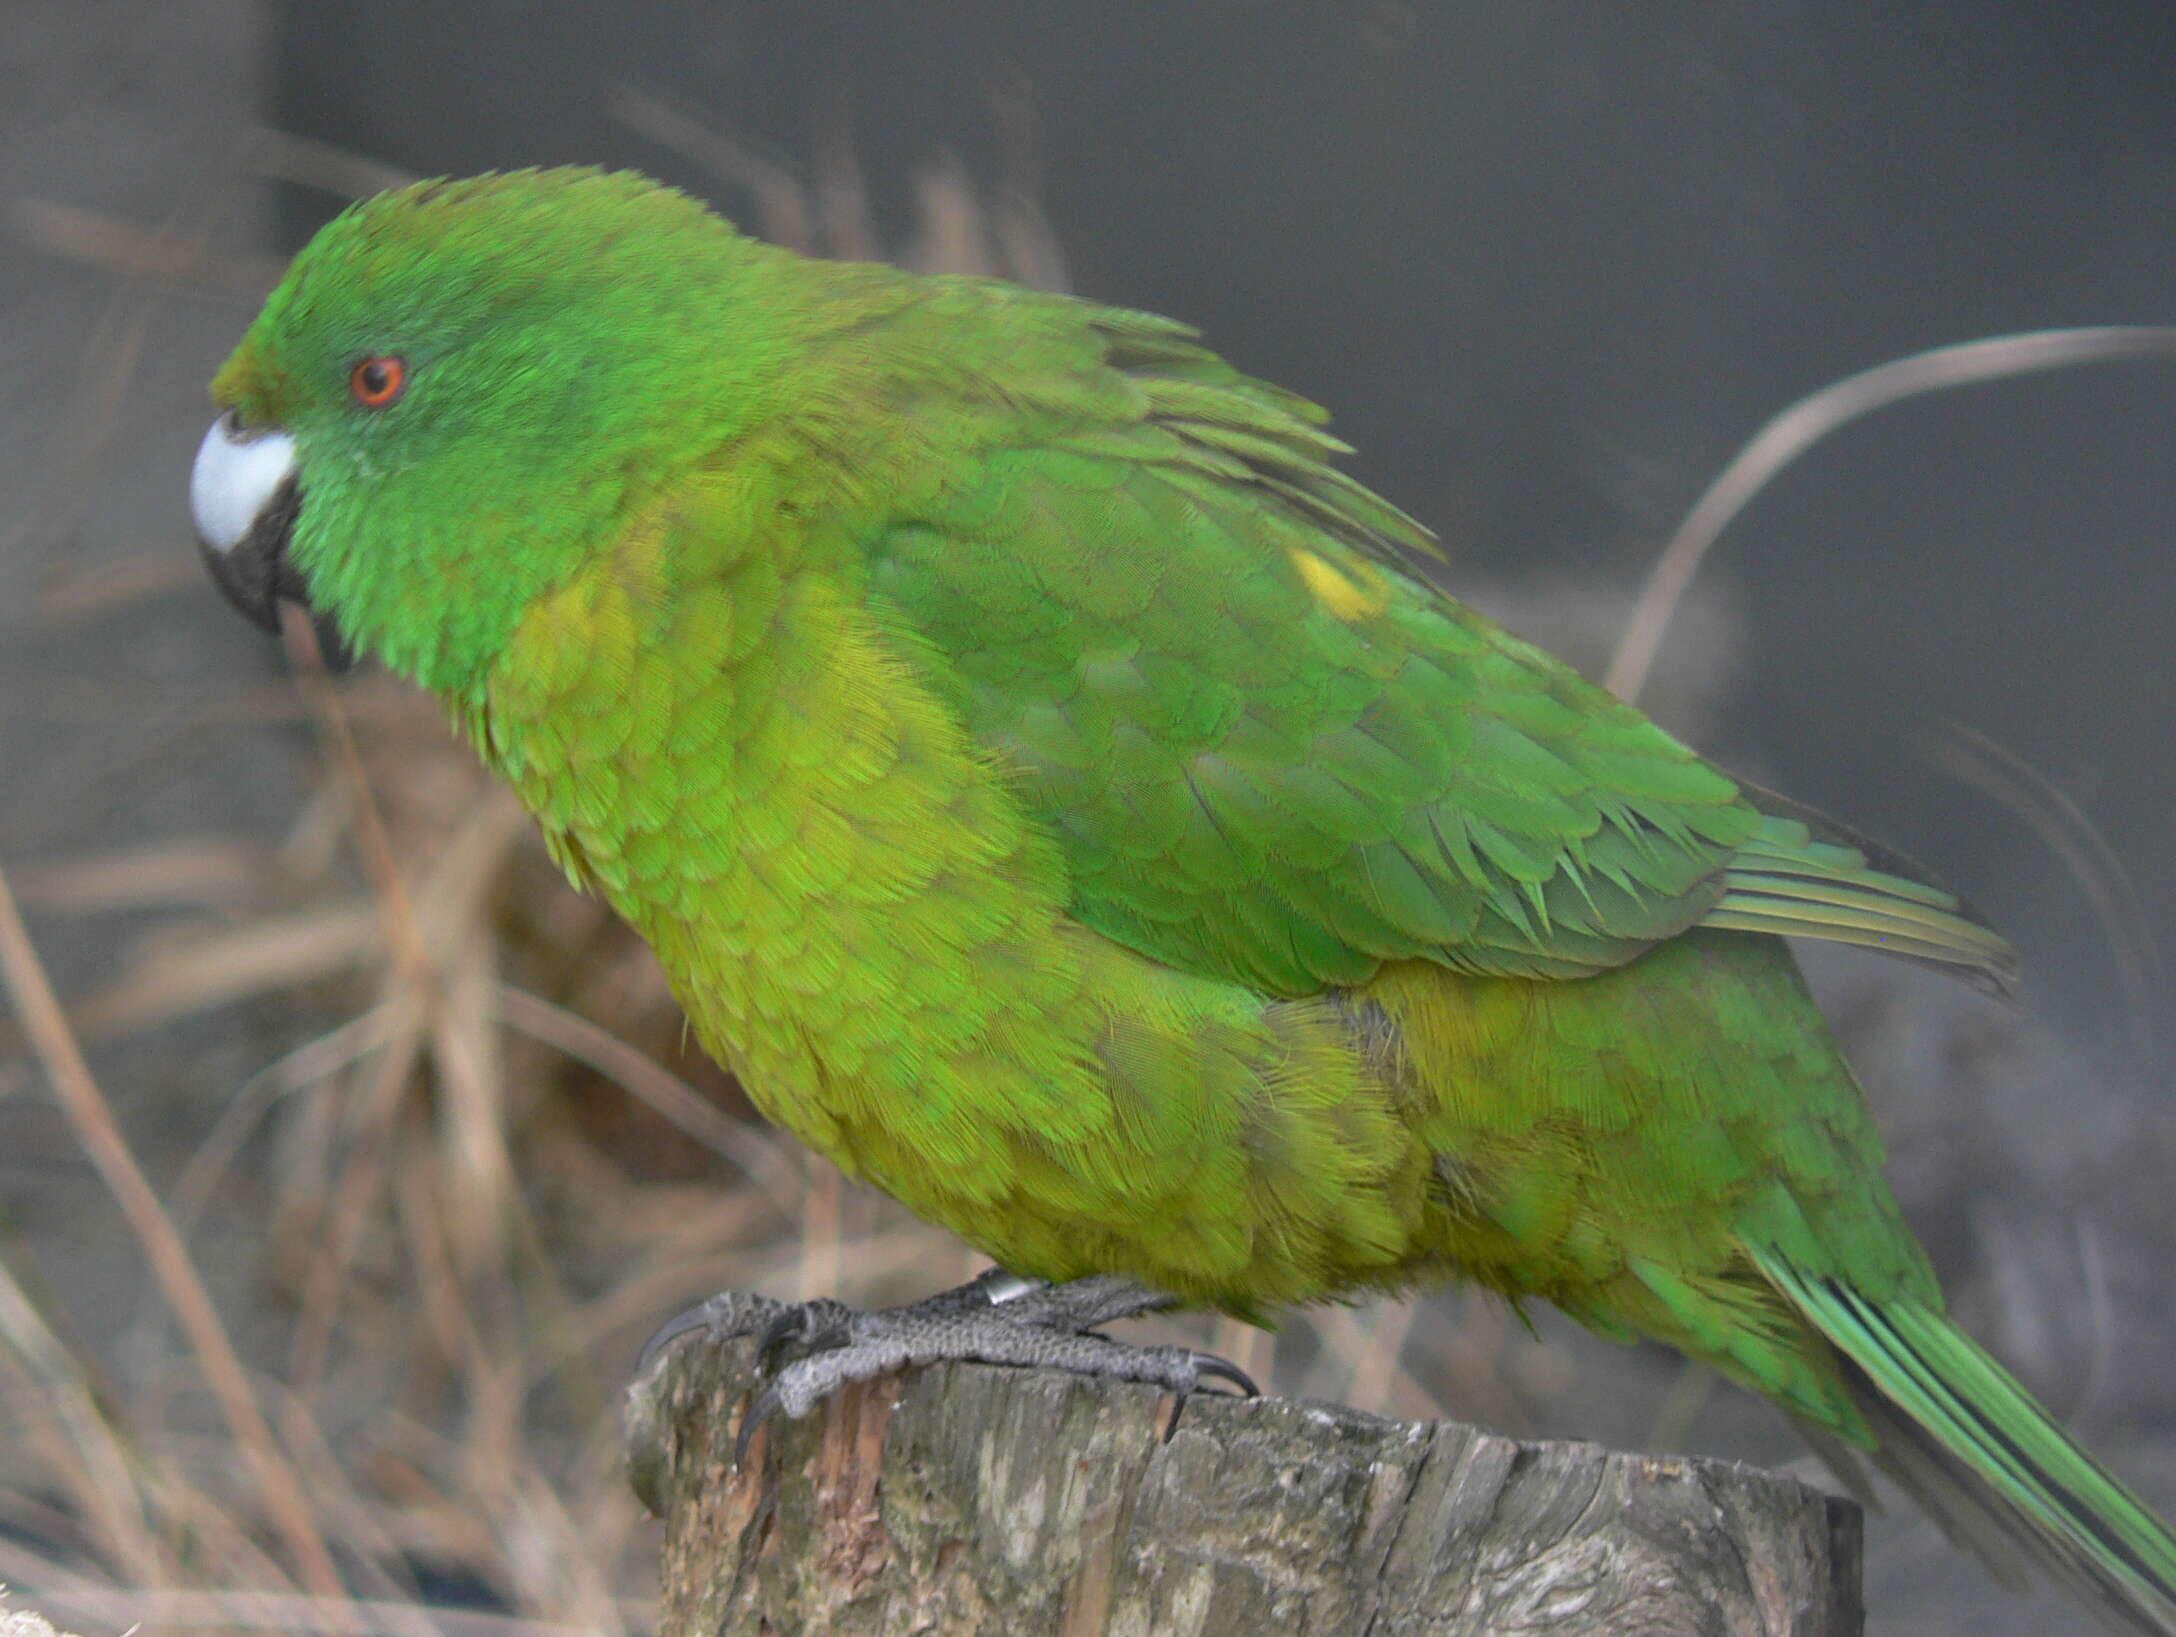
pixel 1973 1448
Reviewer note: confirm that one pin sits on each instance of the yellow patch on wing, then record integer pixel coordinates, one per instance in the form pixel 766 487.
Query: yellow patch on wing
pixel 1352 591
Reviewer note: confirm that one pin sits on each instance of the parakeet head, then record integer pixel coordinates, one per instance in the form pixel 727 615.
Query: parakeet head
pixel 530 355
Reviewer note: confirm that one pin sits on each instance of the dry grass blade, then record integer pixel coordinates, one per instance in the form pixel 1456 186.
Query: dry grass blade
pixel 1026 241
pixel 657 1089
pixel 954 226
pixel 1364 1352
pixel 2100 1325
pixel 1378 1368
pixel 818 1274
pixel 91 1462
pixel 360 1526
pixel 193 974
pixel 1249 1346
pixel 198 870
pixel 113 579
pixel 472 1105
pixel 391 892
pixel 100 704
pixel 698 1253
pixel 23 1565
pixel 297 1071
pixel 782 203
pixel 548 1551
pixel 1979 761
pixel 101 241
pixel 156 1609
pixel 1805 423
pixel 339 1231
pixel 447 1318
pixel 293 158
pixel 839 195
pixel 90 412
pixel 1681 1406
pixel 96 1129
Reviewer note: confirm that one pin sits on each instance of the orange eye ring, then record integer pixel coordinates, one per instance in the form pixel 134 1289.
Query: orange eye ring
pixel 378 381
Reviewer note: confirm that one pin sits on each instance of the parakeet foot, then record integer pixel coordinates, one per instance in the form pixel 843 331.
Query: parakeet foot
pixel 997 1318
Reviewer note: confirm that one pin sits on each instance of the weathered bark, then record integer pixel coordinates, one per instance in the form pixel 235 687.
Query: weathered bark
pixel 968 1499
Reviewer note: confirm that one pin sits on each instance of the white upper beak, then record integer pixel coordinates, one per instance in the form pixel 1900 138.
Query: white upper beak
pixel 236 474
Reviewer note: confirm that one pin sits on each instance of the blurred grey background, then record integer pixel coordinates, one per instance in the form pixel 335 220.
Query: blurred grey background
pixel 1549 263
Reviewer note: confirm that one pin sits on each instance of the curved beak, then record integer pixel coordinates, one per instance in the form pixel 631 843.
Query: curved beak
pixel 244 498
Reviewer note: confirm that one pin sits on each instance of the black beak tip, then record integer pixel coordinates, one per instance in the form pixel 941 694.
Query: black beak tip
pixel 254 573
pixel 253 601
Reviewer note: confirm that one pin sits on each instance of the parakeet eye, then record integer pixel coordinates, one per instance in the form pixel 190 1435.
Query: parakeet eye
pixel 377 382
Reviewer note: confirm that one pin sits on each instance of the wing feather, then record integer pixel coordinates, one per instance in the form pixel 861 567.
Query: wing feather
pixel 1273 753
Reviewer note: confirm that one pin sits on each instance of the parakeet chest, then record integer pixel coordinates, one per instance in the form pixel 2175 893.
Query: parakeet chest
pixel 857 915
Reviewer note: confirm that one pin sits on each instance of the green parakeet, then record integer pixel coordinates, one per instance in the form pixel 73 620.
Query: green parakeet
pixel 1047 787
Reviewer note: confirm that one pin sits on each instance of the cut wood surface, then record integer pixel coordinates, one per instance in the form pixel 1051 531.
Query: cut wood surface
pixel 972 1499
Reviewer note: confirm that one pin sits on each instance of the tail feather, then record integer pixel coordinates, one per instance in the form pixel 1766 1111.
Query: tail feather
pixel 1940 1485
pixel 1957 1433
pixel 1793 881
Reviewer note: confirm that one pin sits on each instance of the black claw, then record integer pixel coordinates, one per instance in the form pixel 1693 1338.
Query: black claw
pixel 1171 1421
pixel 1216 1369
pixel 680 1324
pixel 761 1409
pixel 788 1326
pixel 1209 1364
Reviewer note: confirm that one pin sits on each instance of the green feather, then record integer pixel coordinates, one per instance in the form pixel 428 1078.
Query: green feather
pixel 1973 1445
pixel 1050 786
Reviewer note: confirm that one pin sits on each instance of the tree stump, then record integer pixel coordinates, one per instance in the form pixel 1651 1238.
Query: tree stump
pixel 966 1499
